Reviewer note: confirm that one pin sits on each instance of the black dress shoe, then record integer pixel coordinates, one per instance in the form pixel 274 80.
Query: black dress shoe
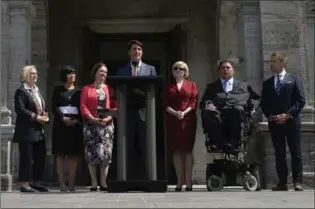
pixel 298 187
pixel 104 189
pixel 39 188
pixel 71 189
pixel 93 189
pixel 280 187
pixel 29 190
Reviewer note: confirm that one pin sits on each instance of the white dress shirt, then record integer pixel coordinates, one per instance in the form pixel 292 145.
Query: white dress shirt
pixel 229 84
pixel 136 68
pixel 282 74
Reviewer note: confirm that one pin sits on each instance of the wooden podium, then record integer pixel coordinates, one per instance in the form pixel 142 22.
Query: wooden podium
pixel 152 184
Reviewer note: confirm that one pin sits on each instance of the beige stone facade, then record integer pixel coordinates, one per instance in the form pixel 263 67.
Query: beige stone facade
pixel 50 34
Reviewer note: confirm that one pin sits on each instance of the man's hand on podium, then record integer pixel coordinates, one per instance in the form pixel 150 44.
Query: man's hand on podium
pixel 138 91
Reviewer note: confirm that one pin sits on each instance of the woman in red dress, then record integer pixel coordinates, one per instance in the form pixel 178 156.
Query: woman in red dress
pixel 181 99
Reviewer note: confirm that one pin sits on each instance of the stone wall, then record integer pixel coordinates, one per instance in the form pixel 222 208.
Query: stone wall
pixel 284 30
pixel 310 15
pixel 39 44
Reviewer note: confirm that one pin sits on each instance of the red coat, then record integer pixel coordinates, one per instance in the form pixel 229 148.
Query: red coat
pixel 88 100
pixel 181 133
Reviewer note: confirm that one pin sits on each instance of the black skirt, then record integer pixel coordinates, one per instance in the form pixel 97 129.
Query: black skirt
pixel 67 140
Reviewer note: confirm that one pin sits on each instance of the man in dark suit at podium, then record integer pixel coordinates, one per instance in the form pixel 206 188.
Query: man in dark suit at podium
pixel 282 101
pixel 136 111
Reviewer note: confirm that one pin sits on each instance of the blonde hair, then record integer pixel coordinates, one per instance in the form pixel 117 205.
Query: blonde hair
pixel 26 72
pixel 181 64
pixel 282 57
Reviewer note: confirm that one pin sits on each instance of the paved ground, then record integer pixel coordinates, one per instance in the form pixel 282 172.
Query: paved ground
pixel 200 198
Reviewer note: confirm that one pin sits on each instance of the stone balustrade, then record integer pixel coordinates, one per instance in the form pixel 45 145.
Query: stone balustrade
pixel 6 175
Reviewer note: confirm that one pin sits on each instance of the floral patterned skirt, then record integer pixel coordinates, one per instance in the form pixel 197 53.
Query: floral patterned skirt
pixel 98 143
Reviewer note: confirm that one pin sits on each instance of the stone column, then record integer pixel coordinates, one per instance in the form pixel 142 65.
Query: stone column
pixel 249 26
pixel 5 37
pixel 6 128
pixel 310 15
pixel 21 14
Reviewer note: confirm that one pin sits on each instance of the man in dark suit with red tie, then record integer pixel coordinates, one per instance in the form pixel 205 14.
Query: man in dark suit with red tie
pixel 136 109
pixel 282 101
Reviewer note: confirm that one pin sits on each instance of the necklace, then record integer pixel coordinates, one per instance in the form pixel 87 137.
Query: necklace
pixel 99 86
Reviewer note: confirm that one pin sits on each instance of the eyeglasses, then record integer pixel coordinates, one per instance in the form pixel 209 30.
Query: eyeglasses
pixel 179 69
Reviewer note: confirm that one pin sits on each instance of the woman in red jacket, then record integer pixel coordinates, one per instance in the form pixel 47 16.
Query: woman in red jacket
pixel 98 132
pixel 180 121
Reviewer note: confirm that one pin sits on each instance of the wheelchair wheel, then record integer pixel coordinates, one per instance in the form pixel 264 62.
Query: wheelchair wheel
pixel 256 174
pixel 214 183
pixel 250 182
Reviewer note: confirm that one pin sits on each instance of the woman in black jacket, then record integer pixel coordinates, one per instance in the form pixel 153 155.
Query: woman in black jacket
pixel 31 115
pixel 67 140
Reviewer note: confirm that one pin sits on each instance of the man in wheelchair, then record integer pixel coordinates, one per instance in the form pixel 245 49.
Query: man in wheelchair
pixel 224 106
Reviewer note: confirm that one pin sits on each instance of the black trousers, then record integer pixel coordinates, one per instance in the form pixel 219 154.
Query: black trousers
pixel 136 152
pixel 223 126
pixel 32 160
pixel 290 133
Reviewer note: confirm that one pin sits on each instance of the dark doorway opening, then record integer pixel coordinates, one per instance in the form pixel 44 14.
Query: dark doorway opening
pixel 160 50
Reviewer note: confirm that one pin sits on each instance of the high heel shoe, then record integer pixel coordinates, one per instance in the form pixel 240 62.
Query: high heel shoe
pixel 93 189
pixel 71 189
pixel 104 189
pixel 63 188
pixel 178 188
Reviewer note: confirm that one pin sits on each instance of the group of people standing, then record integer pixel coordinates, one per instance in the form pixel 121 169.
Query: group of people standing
pixel 77 126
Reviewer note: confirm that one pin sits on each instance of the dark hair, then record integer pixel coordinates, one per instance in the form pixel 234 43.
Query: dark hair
pixel 95 69
pixel 225 61
pixel 134 42
pixel 64 72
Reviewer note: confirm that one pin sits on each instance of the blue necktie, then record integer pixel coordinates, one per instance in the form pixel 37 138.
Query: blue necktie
pixel 278 84
pixel 225 85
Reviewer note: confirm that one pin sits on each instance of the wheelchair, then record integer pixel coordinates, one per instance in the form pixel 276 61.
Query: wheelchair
pixel 229 167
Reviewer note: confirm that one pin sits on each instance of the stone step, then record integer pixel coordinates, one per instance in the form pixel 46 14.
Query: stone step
pixel 308 179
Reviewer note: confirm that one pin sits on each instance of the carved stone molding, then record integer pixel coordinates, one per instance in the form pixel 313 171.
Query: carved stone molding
pixel 279 33
pixel 247 6
pixel 310 9
pixel 155 25
pixel 17 8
